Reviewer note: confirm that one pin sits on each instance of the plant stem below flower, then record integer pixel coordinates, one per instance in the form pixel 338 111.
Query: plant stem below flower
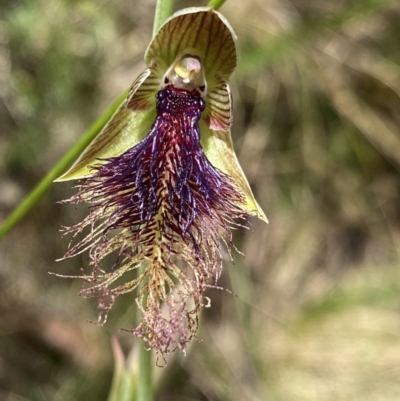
pixel 145 379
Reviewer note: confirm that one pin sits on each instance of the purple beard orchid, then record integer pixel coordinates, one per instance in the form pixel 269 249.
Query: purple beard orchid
pixel 162 207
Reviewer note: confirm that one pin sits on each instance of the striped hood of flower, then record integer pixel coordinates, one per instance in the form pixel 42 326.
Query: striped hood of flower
pixel 163 183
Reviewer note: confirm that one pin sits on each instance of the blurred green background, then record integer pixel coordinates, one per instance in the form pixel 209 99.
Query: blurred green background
pixel 316 128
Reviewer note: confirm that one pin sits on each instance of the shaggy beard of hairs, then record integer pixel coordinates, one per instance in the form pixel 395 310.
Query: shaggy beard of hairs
pixel 163 207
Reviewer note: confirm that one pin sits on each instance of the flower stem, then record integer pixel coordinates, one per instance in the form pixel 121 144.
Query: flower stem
pixel 216 4
pixel 164 10
pixel 145 389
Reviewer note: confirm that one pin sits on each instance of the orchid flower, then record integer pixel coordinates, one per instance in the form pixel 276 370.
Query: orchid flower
pixel 163 183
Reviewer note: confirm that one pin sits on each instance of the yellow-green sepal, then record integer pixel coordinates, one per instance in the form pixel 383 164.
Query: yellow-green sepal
pixel 201 30
pixel 218 148
pixel 126 128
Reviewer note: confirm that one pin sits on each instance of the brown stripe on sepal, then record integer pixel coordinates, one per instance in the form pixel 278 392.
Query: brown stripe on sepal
pixel 219 111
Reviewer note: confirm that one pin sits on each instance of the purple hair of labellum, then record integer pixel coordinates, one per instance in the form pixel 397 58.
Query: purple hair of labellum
pixel 160 205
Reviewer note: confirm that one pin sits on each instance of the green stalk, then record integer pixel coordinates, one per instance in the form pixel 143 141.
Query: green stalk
pixel 164 9
pixel 145 389
pixel 216 4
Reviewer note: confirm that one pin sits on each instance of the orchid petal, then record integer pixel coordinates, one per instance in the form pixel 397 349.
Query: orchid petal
pixel 218 114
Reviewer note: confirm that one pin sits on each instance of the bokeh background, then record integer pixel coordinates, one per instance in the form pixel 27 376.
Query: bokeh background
pixel 317 131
